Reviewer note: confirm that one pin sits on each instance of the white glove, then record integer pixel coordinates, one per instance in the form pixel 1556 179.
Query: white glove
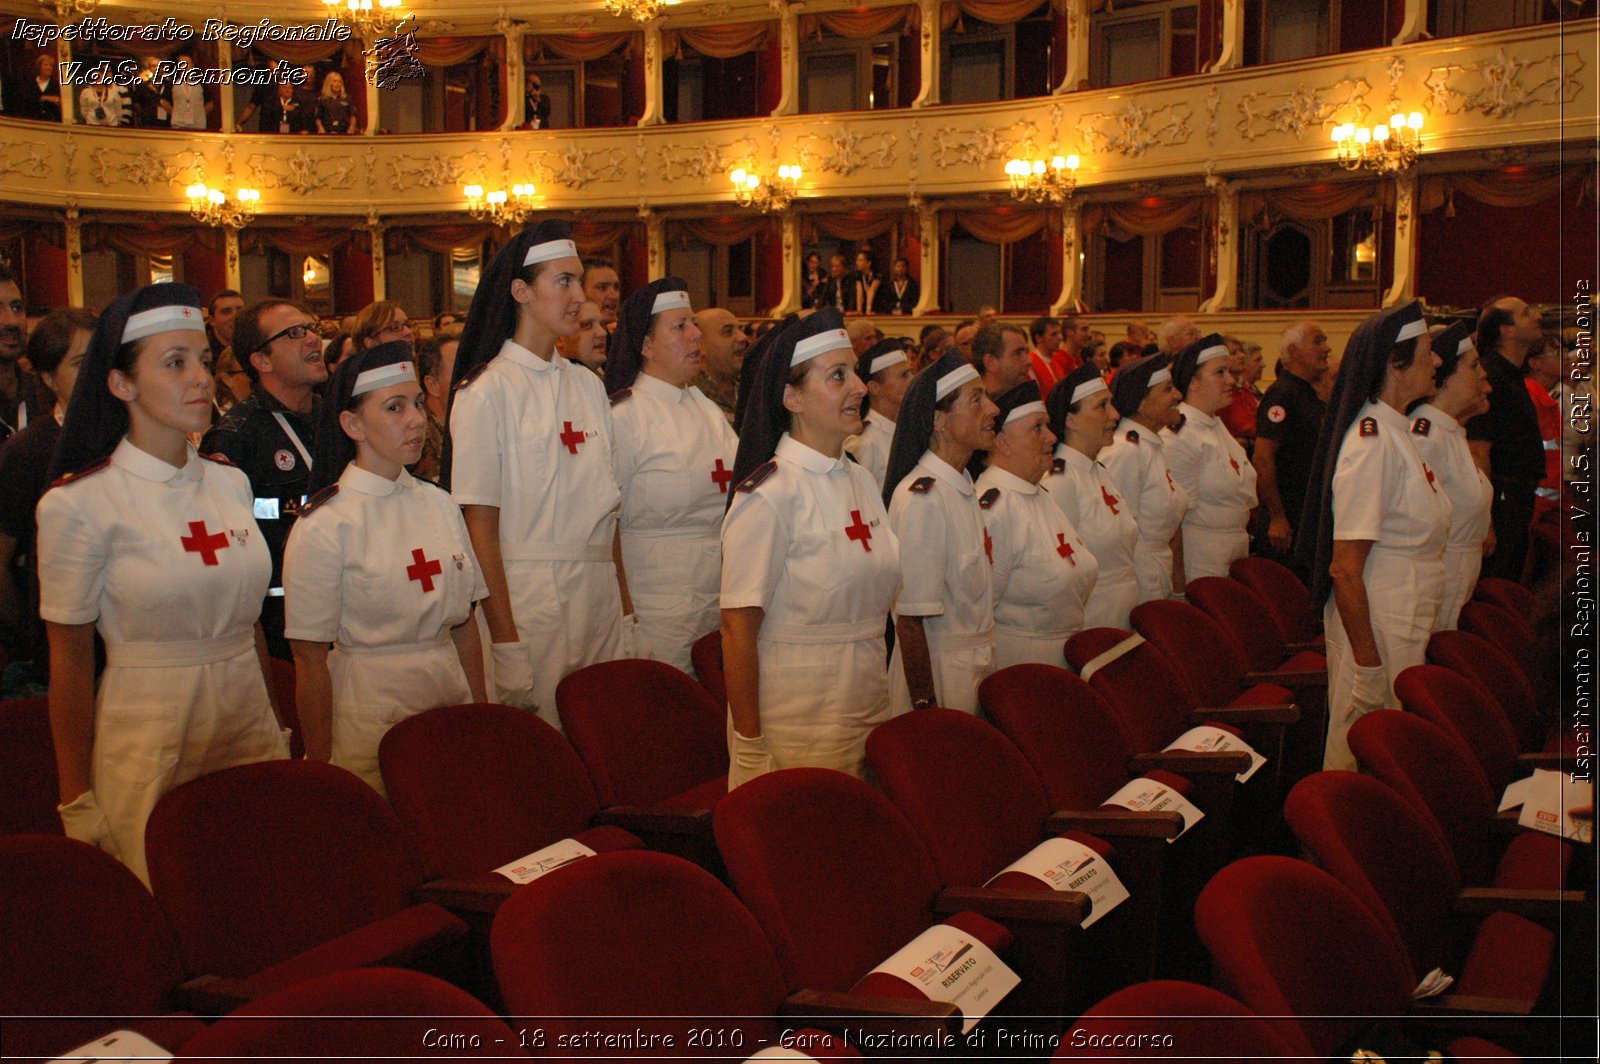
pixel 513 674
pixel 83 820
pixel 747 758
pixel 1370 690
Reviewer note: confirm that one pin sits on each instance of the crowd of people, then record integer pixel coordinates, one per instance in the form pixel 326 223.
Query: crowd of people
pixel 873 523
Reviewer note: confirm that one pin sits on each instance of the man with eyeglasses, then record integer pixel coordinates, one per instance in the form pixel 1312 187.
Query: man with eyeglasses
pixel 269 435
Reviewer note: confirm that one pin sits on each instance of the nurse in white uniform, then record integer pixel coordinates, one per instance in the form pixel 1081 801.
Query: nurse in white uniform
pixel 529 461
pixel 158 549
pixel 944 618
pixel 810 566
pixel 887 371
pixel 1043 571
pixel 379 565
pixel 1144 396
pixel 1208 463
pixel 1437 429
pixel 673 460
pixel 1082 416
pixel 1381 523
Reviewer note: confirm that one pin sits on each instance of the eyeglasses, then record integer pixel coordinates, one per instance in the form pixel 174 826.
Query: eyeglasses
pixel 394 328
pixel 293 332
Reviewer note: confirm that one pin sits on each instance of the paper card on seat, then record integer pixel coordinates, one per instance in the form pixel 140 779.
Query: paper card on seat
pixel 1063 864
pixel 542 862
pixel 1545 797
pixel 1206 739
pixel 780 1053
pixel 948 964
pixel 1145 795
pixel 1433 984
pixel 118 1045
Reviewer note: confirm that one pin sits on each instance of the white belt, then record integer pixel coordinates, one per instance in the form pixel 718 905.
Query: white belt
pixel 440 640
pixel 188 652
pixel 1032 633
pixel 816 634
pixel 706 532
pixel 556 552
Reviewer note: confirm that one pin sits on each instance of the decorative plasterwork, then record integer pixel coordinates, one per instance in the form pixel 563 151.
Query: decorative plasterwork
pixel 114 166
pixel 301 173
pixel 844 152
pixel 1502 86
pixel 28 160
pixel 1135 129
pixel 705 160
pixel 577 167
pixel 954 146
pixel 1264 113
pixel 435 171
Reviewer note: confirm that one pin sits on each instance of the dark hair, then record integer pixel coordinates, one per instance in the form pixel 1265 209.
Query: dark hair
pixel 986 343
pixel 1058 404
pixel 371 320
pixel 428 356
pixel 48 344
pixel 1038 327
pixel 6 274
pixel 901 258
pixel 331 350
pixel 583 278
pixel 636 322
pixel 1490 323
pixel 248 336
pixel 1123 350
pixel 333 448
pixel 226 293
pixel 914 428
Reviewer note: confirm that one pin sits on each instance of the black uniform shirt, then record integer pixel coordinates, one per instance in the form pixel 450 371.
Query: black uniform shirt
pixel 1290 415
pixel 1511 425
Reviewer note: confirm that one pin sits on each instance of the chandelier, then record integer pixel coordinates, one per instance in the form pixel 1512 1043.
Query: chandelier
pixel 638 10
pixel 1038 181
pixel 749 190
pixel 211 206
pixel 367 18
pixel 1383 149
pixel 501 208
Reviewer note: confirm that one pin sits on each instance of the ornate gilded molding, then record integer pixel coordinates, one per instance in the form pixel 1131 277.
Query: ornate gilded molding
pixel 845 152
pixel 303 173
pixel 954 146
pixel 435 171
pixel 1134 129
pixel 1264 113
pixel 706 160
pixel 577 167
pixel 1501 86
pixel 29 159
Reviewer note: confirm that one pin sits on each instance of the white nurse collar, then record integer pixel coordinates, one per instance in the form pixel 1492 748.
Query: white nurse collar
pixel 161 319
pixel 883 362
pixel 394 373
pixel 1086 389
pixel 550 249
pixel 1035 407
pixel 820 344
pixel 674 300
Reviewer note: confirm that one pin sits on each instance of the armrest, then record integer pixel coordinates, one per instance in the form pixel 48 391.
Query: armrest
pixel 1526 763
pixel 1294 678
pixel 480 895
pixel 213 995
pixel 937 1021
pixel 1118 823
pixel 1540 906
pixel 1065 907
pixel 1462 1005
pixel 1279 713
pixel 1191 762
pixel 659 820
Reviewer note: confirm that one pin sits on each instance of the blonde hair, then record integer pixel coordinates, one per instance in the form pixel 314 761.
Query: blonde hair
pixel 327 80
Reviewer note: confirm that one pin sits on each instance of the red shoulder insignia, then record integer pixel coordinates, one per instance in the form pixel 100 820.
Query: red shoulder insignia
pixel 1421 426
pixel 472 375
pixel 620 394
pixel 1369 426
pixel 921 486
pixel 760 473
pixel 68 478
pixel 318 499
pixel 219 458
pixel 989 498
pixel 1058 466
pixel 1132 436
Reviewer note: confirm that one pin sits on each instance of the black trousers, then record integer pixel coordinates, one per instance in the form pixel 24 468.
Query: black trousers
pixel 1511 516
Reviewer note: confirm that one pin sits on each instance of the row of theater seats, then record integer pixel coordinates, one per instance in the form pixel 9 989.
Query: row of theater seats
pixel 267 875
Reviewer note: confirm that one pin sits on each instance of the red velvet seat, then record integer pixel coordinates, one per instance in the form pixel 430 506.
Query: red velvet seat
pixel 366 1014
pixel 1450 701
pixel 282 870
pixel 28 767
pixel 80 940
pixel 1507 594
pixel 1392 857
pixel 1179 1021
pixel 1497 672
pixel 1249 624
pixel 656 748
pixel 706 654
pixel 585 949
pixel 977 806
pixel 1430 768
pixel 1285 596
pixel 1290 940
pixel 478 786
pixel 836 878
pixel 1510 632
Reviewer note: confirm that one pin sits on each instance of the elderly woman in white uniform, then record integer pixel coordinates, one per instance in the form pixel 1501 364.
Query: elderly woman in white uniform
pixel 1043 571
pixel 809 566
pixel 1438 430
pixel 887 371
pixel 1208 463
pixel 1144 396
pixel 1380 522
pixel 944 618
pixel 379 565
pixel 673 459
pixel 528 459
pixel 1082 416
pixel 158 548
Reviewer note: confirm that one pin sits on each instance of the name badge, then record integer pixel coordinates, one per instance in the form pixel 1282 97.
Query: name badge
pixel 266 509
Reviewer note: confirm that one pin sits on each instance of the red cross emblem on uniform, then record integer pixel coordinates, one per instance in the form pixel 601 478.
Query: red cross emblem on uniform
pixel 1110 500
pixel 858 530
pixel 206 544
pixel 571 437
pixel 1064 548
pixel 988 546
pixel 722 475
pixel 1431 485
pixel 423 570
